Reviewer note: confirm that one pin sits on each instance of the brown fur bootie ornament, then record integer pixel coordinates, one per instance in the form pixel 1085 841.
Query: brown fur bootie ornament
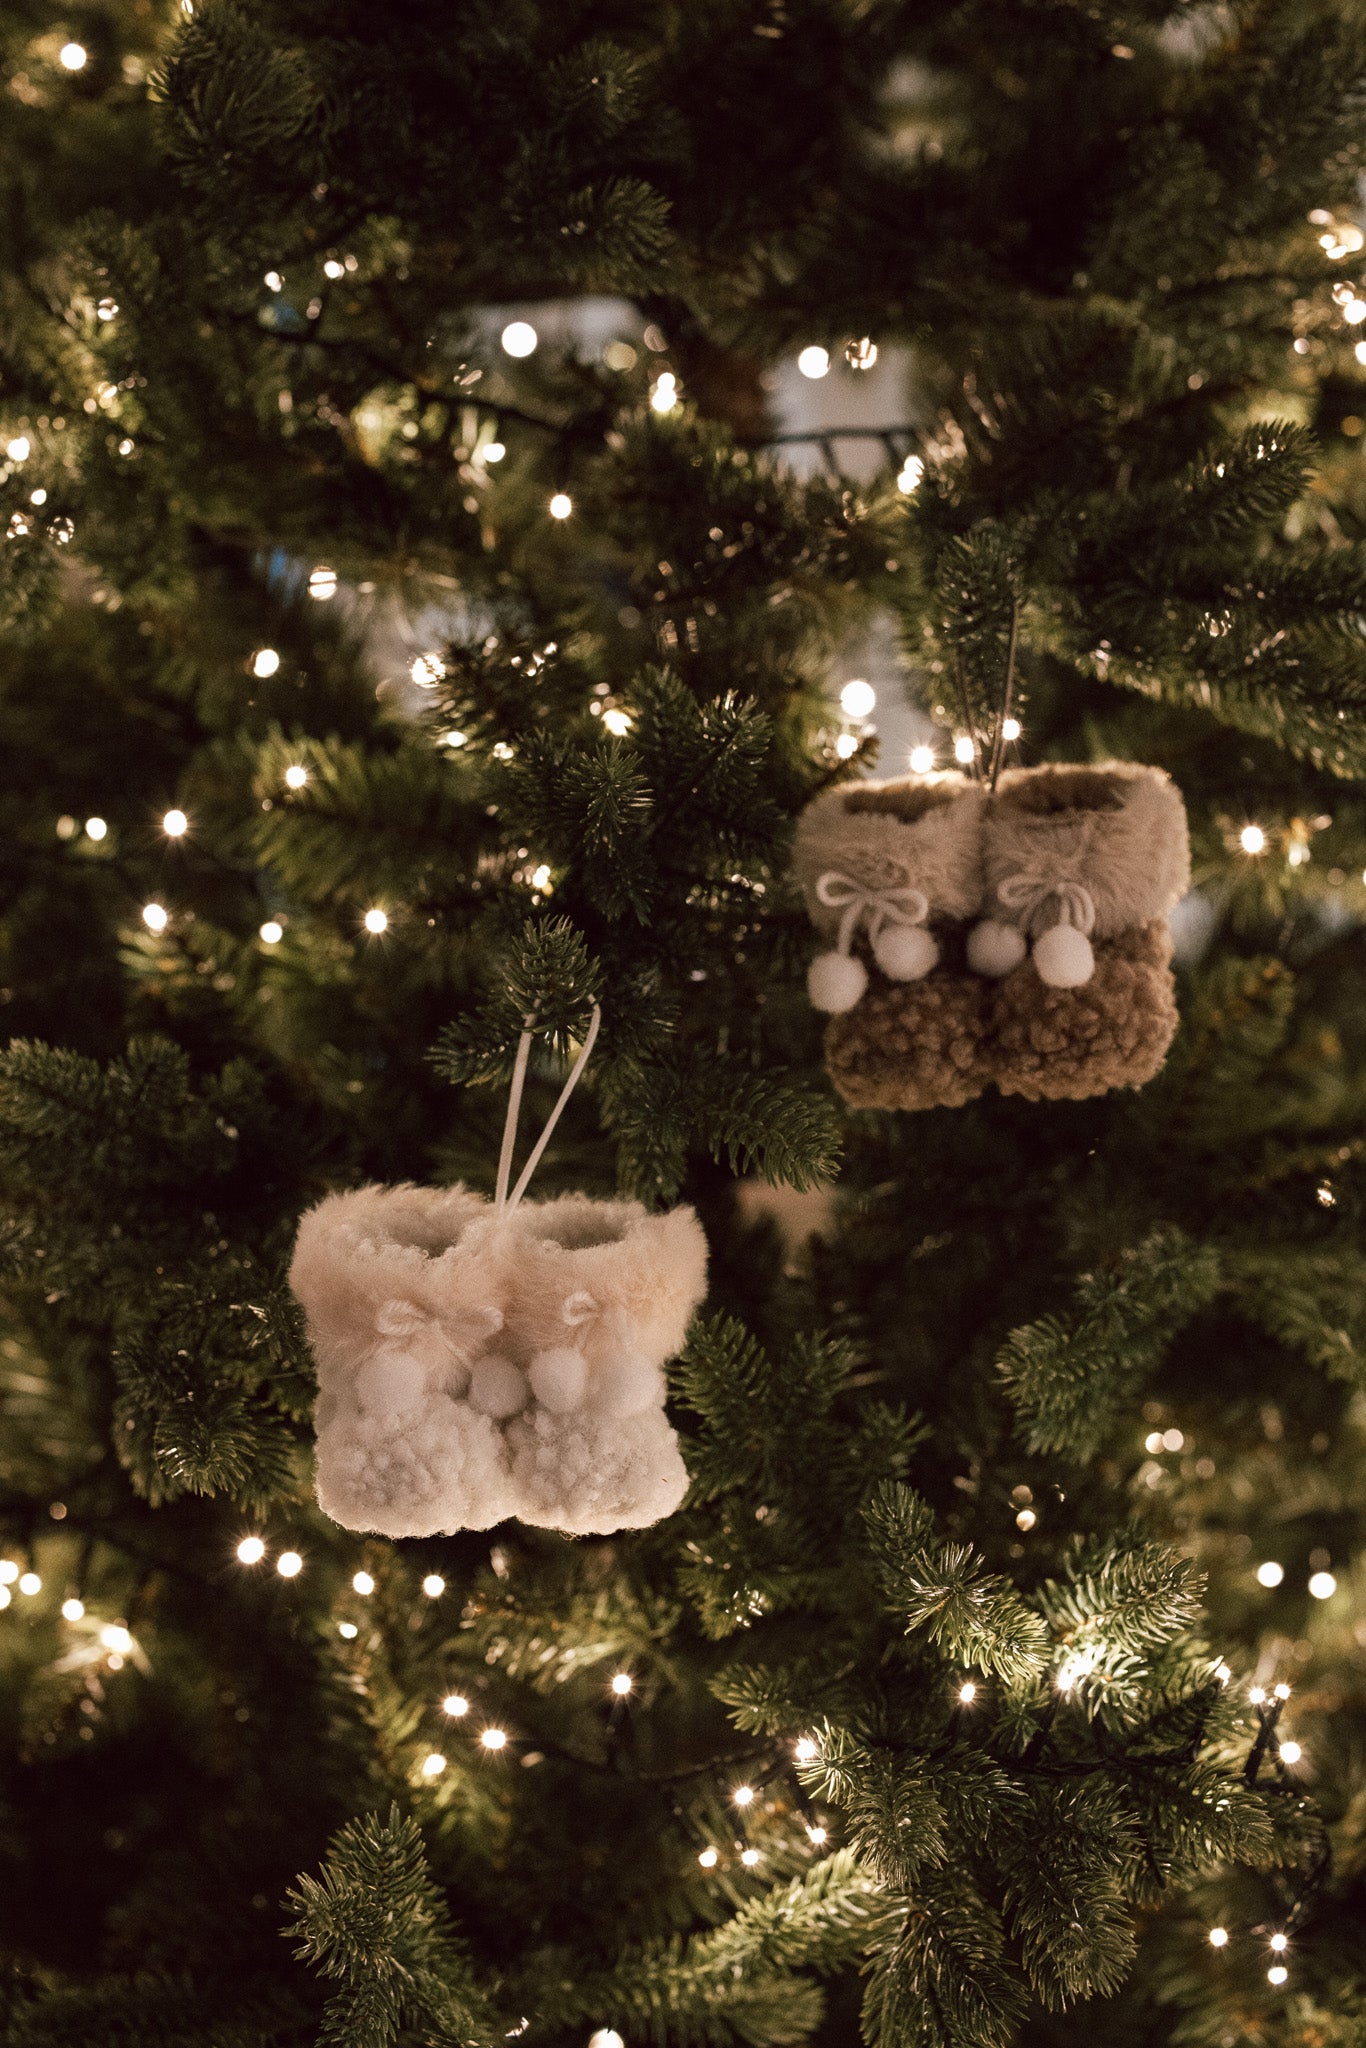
pixel 1080 867
pixel 483 1360
pixel 895 867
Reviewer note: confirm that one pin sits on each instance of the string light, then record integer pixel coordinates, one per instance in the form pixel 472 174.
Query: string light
pixel 376 921
pixel 846 746
pixel 1026 1519
pixel 494 451
pixel 1257 1695
pixel 618 722
pixel 1010 730
pixel 519 338
pixel 743 1795
pixel 38 497
pixel 540 877
pixel 265 662
pixel 116 1638
pixel 912 471
pixel 561 505
pixel 967 1692
pixel 296 776
pixel 806 1751
pixel 155 916
pixel 272 931
pixel 333 269
pixel 709 1859
pixel 9 1571
pixel 250 1550
pixel 456 1705
pixel 622 1684
pixel 73 56
pixel 817 1835
pixel 493 1739
pixel 1270 1573
pixel 433 1585
pixel 1277 1974
pixel 861 355
pixel 1252 839
pixel 1323 1585
pixel 363 1584
pixel 433 1765
pixel 749 1857
pixel 19 449
pixel 664 397
pixel 73 1609
pixel 1282 1691
pixel 30 1583
pixel 322 583
pixel 922 760
pixel 857 698
pixel 273 281
pixel 289 1564
pixel 1290 1752
pixel 814 362
pixel 964 750
pixel 348 1629
pixel 452 739
pixel 427 671
pixel 5 1596
pixel 96 829
pixel 1222 1672
pixel 1354 312
pixel 1280 1943
pixel 1218 1937
pixel 175 824
pixel 606 2037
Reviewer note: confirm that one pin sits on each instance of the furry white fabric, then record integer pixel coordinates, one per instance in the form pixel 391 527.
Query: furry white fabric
pixel 1114 835
pixel 861 830
pixel 474 1365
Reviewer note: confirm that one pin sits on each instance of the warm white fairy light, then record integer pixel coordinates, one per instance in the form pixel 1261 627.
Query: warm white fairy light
pixel 911 474
pixel 175 824
pixel 1257 1695
pixel 622 1684
pixel 5 1596
pixel 376 921
pixel 363 1584
pixel 743 1795
pixel 749 1857
pixel 561 505
pixel 456 1705
pixel 857 698
pixel 540 877
pixel 814 362
pixel 427 671
pixel 433 1765
pixel 73 1609
pixel 433 1585
pixel 96 829
pixel 664 397
pixel 250 1550
pixel 348 1630
pixel 1218 1937
pixel 1277 1974
pixel 1282 1691
pixel 1280 1943
pixel 452 739
pixel 296 776
pixel 1026 1519
pixel 116 1638
pixel 9 1571
pixel 709 1859
pixel 333 269
pixel 519 338
pixel 289 1564
pixel 322 583
pixel 73 56
pixel 617 721
pixel 967 1692
pixel 1223 1672
pixel 1290 1752
pixel 1078 1664
pixel 1354 312
pixel 606 2037
pixel 19 449
pixel 1270 1573
pixel 963 750
pixel 493 1739
pixel 38 497
pixel 272 931
pixel 861 354
pixel 1323 1585
pixel 806 1751
pixel 1010 730
pixel 494 451
pixel 1252 839
pixel 273 281
pixel 265 662
pixel 817 1834
pixel 846 746
pixel 155 916
pixel 922 760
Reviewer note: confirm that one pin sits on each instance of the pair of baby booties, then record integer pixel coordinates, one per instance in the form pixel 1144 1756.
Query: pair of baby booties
pixel 1018 935
pixel 477 1363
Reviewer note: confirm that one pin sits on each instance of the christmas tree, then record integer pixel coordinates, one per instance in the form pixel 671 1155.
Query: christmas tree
pixel 422 626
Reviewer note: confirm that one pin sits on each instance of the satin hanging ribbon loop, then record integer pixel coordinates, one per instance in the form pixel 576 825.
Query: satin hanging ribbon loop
pixel 502 1200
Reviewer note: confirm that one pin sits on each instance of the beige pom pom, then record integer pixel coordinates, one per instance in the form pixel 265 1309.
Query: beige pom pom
pixel 995 949
pixel 497 1388
pixel 835 981
pixel 905 952
pixel 559 1378
pixel 1063 957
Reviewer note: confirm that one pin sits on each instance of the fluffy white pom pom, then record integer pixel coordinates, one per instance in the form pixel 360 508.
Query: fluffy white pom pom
pixel 995 949
pixel 559 1378
pixel 1063 957
pixel 391 1383
pixel 905 952
pixel 835 981
pixel 497 1388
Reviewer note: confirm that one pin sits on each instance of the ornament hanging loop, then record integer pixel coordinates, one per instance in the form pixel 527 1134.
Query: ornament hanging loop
pixel 502 1200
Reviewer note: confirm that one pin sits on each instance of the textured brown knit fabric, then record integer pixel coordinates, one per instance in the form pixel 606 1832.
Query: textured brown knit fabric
pixel 912 1044
pixel 1067 1043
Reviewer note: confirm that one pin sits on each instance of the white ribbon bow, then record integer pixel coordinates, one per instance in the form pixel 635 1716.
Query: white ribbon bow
pixel 880 907
pixel 1029 893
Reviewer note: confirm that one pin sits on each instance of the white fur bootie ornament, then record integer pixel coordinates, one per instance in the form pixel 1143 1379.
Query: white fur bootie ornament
pixel 483 1360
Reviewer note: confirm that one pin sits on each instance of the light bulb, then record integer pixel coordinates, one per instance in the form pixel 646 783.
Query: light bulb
pixel 289 1564
pixel 38 497
pixel 1026 1519
pixel 922 760
pixel 540 877
pixel 363 1584
pixel 19 449
pixel 175 824
pixel 817 1835
pixel 493 1738
pixel 1280 1943
pixel 743 1795
pixel 857 698
pixel 861 355
pixel 1218 1937
pixel 116 1638
pixel 73 56
pixel 618 722
pixel 9 1571
pixel 1010 730
pixel 1172 1440
pixel 1360 351
pixel 967 1693
pixel 1323 1585
pixel 561 505
pixel 272 931
pixel 333 269
pixel 814 362
pixel 1354 312
pixel 433 1585
pixel 749 1857
pixel 322 583
pixel 452 739
pixel 273 281
pixel 1290 1752
pixel 1252 839
pixel 433 1765
pixel 456 1705
pixel 963 750
pixel 494 452
pixel 250 1550
pixel 427 671
pixel 846 745
pixel 5 1596
pixel 1270 1573
pixel 30 1583
pixel 1277 1974
pixel 376 921
pixel 155 917
pixel 296 776
pixel 709 1859
pixel 96 829
pixel 265 662
pixel 606 2037
pixel 348 1629
pixel 1282 1691
pixel 912 470
pixel 1257 1695
pixel 621 1684
pixel 664 397
pixel 72 1610
pixel 519 338
pixel 806 1751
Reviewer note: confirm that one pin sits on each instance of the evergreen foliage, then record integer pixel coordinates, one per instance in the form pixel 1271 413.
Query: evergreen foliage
pixel 957 1710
